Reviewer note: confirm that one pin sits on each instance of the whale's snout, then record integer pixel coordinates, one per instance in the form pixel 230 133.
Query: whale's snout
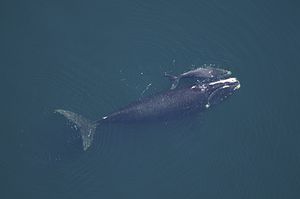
pixel 222 89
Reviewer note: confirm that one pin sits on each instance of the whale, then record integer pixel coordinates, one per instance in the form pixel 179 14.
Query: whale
pixel 200 74
pixel 161 106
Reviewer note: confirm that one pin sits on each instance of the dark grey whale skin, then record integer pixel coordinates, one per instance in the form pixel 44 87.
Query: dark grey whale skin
pixel 165 105
pixel 161 106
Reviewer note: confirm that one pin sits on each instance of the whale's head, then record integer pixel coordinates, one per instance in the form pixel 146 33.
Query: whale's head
pixel 218 91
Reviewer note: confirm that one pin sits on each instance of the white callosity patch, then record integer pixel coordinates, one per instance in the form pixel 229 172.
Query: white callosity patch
pixel 226 86
pixel 199 86
pixel 229 80
pixel 210 73
pixel 237 87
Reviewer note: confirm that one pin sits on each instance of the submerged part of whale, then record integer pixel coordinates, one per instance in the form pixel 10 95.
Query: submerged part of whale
pixel 202 73
pixel 160 106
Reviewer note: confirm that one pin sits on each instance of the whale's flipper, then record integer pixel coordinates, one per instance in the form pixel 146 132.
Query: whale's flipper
pixel 86 127
pixel 174 79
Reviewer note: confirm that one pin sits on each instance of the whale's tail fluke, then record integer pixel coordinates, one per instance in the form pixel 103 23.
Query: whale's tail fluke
pixel 86 127
pixel 174 79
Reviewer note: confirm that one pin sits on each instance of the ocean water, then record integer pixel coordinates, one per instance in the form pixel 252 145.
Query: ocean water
pixel 93 57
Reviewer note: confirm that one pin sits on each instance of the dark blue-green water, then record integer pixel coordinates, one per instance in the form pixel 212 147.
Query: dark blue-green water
pixel 93 57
